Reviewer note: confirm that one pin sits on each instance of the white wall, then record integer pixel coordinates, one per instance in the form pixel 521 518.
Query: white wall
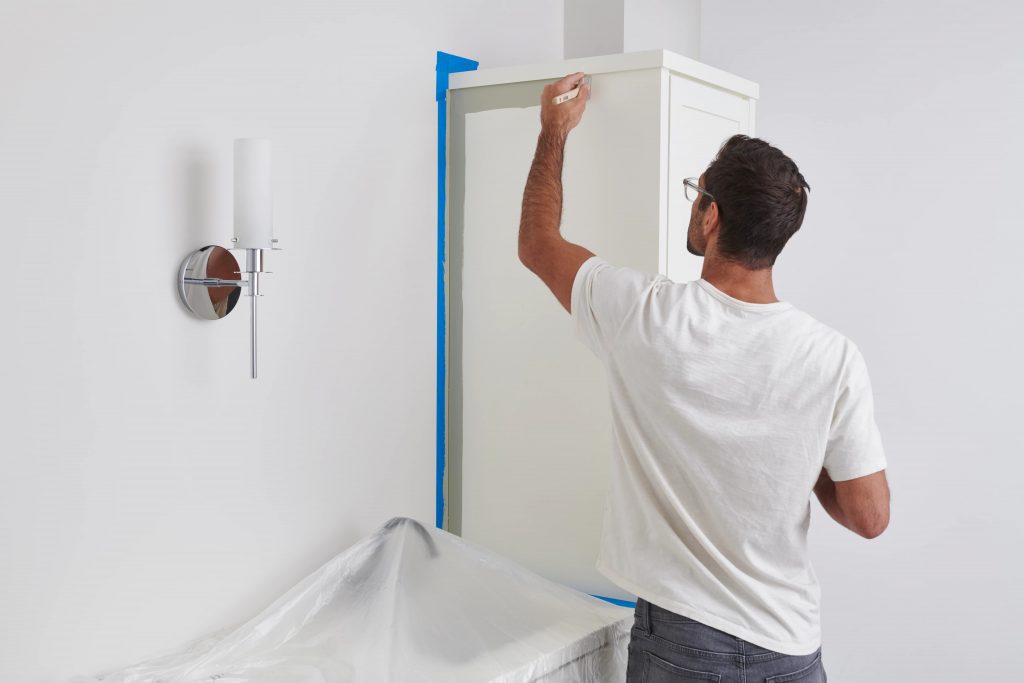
pixel 150 492
pixel 905 119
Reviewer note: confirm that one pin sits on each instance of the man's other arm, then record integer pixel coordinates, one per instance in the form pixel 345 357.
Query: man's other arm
pixel 861 504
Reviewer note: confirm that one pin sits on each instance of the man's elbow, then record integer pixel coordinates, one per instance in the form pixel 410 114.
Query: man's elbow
pixel 873 527
pixel 524 254
pixel 528 253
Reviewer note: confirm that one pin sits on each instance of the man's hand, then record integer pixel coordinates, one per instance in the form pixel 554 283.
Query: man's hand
pixel 559 119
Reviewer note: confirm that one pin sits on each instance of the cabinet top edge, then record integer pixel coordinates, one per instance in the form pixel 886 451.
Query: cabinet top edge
pixel 629 61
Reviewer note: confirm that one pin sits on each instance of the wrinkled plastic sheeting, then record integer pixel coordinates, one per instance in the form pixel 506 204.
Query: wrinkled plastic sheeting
pixel 409 603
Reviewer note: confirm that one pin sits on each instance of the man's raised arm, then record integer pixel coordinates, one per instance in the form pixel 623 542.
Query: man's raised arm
pixel 542 248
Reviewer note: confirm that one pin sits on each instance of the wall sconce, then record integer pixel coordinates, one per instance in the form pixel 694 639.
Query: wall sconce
pixel 210 280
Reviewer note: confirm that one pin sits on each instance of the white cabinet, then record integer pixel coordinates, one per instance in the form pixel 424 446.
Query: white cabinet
pixel 528 436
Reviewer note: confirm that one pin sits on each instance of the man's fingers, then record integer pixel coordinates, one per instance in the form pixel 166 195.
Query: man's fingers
pixel 567 83
pixel 564 85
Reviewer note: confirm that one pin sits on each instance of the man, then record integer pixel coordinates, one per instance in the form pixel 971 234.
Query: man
pixel 729 407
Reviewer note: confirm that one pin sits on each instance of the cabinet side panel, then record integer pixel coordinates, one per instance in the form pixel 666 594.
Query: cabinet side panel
pixel 461 103
pixel 535 426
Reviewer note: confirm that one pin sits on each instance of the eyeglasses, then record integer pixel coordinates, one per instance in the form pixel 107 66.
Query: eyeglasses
pixel 693 190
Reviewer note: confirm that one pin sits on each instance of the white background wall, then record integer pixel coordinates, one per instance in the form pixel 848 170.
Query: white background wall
pixel 905 118
pixel 149 491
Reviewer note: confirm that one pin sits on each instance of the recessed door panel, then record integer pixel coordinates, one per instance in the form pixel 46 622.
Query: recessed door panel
pixel 700 120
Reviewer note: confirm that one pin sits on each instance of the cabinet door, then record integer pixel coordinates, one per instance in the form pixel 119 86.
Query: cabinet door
pixel 701 118
pixel 529 420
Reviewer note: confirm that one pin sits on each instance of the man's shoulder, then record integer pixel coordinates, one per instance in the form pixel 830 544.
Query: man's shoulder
pixel 821 335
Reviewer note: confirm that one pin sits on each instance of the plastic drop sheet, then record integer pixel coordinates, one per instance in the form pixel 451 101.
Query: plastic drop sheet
pixel 409 603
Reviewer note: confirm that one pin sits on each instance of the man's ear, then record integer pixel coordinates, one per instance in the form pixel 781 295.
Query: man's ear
pixel 709 224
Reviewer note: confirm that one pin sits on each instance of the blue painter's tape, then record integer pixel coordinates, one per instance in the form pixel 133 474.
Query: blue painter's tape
pixel 446 64
pixel 617 601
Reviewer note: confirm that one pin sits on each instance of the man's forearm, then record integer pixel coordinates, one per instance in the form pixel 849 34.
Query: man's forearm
pixel 542 198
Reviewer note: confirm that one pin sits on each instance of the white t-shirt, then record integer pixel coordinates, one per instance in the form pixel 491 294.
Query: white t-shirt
pixel 723 414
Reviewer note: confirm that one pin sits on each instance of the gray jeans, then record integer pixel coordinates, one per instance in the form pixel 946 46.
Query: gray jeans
pixel 666 647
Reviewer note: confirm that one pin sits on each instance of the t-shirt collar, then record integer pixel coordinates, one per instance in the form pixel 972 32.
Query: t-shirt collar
pixel 739 303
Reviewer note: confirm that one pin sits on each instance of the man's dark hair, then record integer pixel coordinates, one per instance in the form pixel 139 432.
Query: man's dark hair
pixel 761 198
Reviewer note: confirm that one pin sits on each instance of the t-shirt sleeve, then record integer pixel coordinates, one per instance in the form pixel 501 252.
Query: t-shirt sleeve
pixel 854 446
pixel 603 296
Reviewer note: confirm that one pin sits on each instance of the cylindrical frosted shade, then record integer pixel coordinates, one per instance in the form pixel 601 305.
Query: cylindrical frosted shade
pixel 254 206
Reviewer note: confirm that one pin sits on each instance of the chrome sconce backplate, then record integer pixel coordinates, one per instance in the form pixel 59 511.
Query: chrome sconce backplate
pixel 210 283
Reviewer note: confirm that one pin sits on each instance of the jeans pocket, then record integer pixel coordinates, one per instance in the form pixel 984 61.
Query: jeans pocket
pixel 657 670
pixel 812 673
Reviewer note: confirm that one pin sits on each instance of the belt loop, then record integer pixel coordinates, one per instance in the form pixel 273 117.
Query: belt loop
pixel 645 614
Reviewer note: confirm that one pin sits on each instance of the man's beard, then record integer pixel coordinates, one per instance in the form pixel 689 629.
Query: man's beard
pixel 689 244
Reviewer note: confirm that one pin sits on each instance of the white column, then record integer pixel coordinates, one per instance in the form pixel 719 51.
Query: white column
pixel 593 27
pixel 662 25
pixel 602 27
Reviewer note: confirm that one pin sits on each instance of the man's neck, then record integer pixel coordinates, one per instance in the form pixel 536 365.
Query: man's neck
pixel 752 286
